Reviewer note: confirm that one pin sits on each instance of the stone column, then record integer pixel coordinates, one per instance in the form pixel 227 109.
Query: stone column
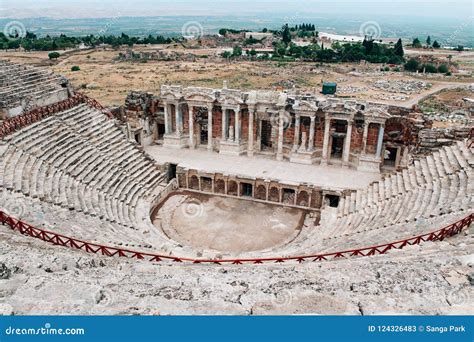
pixel 327 126
pixel 237 124
pixel 311 134
pixel 364 137
pixel 191 127
pixel 250 138
pixel 297 132
pixel 347 144
pixel 209 128
pixel 224 124
pixel 280 135
pixel 178 119
pixel 167 119
pixel 380 141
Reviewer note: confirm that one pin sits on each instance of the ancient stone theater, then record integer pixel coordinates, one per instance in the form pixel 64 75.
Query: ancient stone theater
pixel 247 201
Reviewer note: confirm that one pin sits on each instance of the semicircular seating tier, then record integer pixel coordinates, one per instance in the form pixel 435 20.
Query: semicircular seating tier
pixel 79 159
pixel 24 87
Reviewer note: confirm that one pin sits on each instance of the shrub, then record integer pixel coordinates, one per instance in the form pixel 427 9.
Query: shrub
pixel 75 68
pixel 431 68
pixel 443 68
pixel 53 55
pixel 412 65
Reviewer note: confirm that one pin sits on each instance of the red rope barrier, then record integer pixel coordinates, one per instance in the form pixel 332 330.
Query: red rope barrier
pixel 16 123
pixel 65 241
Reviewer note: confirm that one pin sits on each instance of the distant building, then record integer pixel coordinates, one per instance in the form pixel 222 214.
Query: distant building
pixel 258 35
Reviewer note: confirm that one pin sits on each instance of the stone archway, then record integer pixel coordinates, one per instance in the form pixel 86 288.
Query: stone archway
pixel 194 182
pixel 206 184
pixel 274 194
pixel 232 189
pixel 261 192
pixel 302 199
pixel 219 186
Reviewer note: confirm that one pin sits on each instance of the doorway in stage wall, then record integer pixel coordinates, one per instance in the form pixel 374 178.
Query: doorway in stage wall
pixel 172 172
pixel 266 135
pixel 203 132
pixel 390 156
pixel 337 146
pixel 246 189
pixel 202 126
pixel 161 130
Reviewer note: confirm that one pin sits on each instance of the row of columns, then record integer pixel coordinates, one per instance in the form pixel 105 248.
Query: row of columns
pixel 310 142
pixel 378 152
pixel 237 130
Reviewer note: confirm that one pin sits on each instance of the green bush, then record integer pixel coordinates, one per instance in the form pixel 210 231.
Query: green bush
pixel 431 68
pixel 75 68
pixel 412 65
pixel 53 55
pixel 443 68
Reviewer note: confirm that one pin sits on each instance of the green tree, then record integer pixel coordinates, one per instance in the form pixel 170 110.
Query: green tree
pixel 416 43
pixel 428 41
pixel 398 48
pixel 436 44
pixel 286 35
pixel 54 55
pixel 226 54
pixel 412 65
pixel 236 51
pixel 75 68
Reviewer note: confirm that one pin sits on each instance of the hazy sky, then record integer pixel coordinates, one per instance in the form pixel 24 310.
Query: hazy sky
pixel 110 8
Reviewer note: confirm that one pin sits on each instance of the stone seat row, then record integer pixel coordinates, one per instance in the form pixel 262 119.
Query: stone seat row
pixel 424 172
pixel 77 167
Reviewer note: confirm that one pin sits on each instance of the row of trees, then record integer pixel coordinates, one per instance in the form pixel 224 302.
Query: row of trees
pixel 368 50
pixel 304 27
pixel 62 42
pixel 417 43
pixel 414 65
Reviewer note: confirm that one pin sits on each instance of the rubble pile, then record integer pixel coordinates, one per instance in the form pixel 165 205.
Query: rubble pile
pixel 434 138
pixel 347 89
pixel 460 117
pixel 400 86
